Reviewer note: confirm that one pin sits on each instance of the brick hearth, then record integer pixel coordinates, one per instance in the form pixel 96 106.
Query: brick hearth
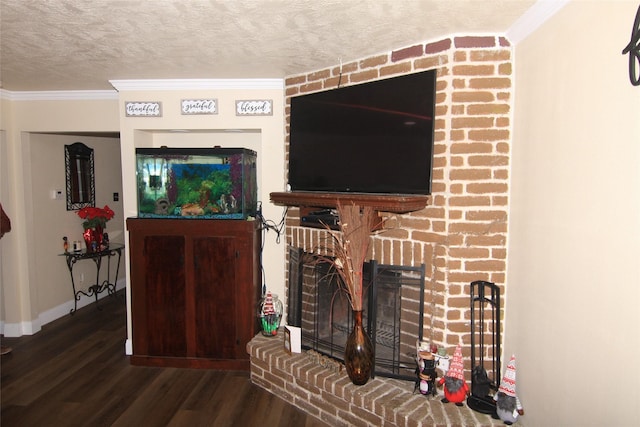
pixel 329 395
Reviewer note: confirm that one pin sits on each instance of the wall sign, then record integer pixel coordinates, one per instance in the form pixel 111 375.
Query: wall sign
pixel 199 106
pixel 254 107
pixel 143 109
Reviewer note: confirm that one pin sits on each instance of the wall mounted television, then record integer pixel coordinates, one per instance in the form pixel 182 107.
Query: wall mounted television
pixel 374 138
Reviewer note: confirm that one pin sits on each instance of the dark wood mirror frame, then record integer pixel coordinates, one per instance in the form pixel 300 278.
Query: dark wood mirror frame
pixel 80 175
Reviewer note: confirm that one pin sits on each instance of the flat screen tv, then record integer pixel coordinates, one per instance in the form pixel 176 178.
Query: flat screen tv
pixel 374 137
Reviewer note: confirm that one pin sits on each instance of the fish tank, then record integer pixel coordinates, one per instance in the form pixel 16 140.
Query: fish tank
pixel 196 183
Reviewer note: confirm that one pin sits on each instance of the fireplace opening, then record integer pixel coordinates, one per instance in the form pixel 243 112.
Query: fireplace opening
pixel 393 311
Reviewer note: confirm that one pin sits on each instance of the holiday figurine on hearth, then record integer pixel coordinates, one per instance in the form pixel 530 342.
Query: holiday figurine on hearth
pixel 426 371
pixel 270 314
pixel 456 389
pixel 508 405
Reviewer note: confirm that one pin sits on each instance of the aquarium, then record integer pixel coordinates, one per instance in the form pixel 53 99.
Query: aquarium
pixel 202 183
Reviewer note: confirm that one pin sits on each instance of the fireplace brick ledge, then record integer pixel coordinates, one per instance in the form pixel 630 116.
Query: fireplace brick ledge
pixel 331 397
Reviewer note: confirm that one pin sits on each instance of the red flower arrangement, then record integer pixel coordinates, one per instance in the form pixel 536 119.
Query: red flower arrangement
pixel 95 217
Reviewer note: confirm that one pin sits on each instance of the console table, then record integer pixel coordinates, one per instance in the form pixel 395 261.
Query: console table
pixel 96 257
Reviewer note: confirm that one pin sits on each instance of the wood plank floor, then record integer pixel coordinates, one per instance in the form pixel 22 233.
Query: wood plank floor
pixel 74 373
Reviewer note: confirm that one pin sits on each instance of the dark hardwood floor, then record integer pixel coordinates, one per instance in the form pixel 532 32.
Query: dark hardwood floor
pixel 74 373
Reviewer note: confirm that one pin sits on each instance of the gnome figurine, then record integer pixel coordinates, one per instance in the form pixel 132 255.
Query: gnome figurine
pixel 456 389
pixel 508 405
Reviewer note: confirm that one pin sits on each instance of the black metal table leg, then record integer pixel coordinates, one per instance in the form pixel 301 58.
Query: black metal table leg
pixel 97 288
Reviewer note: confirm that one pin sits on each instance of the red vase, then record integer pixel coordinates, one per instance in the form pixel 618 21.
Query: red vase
pixel 358 353
pixel 99 235
pixel 93 238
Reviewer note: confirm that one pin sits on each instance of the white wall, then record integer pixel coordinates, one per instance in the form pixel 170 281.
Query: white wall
pixel 572 316
pixel 32 297
pixel 52 221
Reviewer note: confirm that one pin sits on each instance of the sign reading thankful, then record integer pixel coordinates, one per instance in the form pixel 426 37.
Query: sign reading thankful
pixel 199 106
pixel 143 109
pixel 256 107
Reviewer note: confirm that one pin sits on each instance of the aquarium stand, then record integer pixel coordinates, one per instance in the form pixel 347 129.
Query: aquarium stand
pixel 195 285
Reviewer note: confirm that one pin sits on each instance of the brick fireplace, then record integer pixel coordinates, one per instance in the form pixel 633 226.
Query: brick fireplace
pixel 460 236
pixel 392 316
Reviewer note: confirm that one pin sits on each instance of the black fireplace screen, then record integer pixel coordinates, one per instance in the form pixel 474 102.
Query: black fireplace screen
pixel 393 314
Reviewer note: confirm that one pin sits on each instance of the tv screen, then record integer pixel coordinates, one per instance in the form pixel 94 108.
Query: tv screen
pixel 374 137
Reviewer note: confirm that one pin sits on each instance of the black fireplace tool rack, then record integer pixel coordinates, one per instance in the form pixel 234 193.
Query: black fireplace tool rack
pixel 485 325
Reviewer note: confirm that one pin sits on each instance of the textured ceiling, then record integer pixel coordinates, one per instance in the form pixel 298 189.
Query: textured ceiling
pixel 82 44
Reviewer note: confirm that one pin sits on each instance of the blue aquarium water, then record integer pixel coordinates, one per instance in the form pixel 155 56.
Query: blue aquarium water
pixel 201 183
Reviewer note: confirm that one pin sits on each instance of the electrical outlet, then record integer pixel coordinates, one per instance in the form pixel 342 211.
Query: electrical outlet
pixel 81 277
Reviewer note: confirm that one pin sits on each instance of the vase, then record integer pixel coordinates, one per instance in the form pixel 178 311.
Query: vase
pixel 93 238
pixel 358 352
pixel 270 314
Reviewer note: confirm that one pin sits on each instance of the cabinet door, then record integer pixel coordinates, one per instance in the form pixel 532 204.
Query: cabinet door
pixel 214 291
pixel 164 285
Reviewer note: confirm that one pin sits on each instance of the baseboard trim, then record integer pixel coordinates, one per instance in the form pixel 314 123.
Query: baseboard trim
pixel 13 330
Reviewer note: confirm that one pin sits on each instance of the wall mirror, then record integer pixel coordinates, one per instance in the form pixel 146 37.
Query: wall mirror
pixel 81 186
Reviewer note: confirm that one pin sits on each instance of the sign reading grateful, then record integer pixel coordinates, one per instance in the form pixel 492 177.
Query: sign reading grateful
pixel 199 106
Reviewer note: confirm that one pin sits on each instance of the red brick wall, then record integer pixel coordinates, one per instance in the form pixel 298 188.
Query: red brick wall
pixel 461 236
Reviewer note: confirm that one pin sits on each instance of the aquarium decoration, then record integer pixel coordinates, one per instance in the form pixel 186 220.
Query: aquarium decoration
pixel 201 183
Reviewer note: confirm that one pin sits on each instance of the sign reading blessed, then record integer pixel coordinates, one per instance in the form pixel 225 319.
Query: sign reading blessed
pixel 143 109
pixel 199 106
pixel 256 107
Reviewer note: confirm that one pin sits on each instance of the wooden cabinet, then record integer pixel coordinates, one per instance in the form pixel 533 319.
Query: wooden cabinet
pixel 195 286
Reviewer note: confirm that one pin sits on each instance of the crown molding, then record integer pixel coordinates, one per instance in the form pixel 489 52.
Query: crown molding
pixel 142 85
pixel 58 95
pixel 196 84
pixel 533 19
